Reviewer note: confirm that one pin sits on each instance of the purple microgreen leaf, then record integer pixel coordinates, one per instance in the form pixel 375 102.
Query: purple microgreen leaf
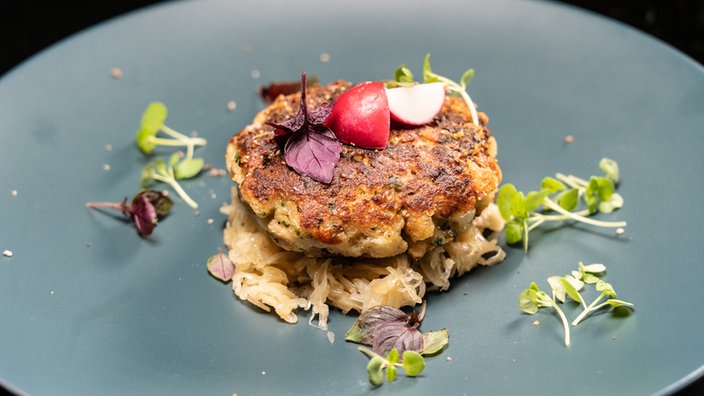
pixel 314 155
pixel 397 335
pixel 290 126
pixel 362 330
pixel 144 215
pixel 311 148
pixel 161 202
pixel 377 316
pixel 386 328
pixel 221 267
pixel 146 209
pixel 321 113
pixel 299 121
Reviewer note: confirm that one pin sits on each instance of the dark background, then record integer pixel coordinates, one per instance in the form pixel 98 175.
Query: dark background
pixel 27 27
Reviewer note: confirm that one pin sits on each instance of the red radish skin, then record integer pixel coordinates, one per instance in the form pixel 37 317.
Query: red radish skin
pixel 360 116
pixel 416 105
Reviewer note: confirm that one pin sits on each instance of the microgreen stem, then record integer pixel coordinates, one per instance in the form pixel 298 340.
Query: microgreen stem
pixel 593 307
pixel 369 352
pixel 455 88
pixel 196 141
pixel 578 217
pixel 189 151
pixel 565 323
pixel 111 205
pixel 170 142
pixel 587 310
pixel 177 187
pixel 537 220
pixel 572 181
pixel 545 301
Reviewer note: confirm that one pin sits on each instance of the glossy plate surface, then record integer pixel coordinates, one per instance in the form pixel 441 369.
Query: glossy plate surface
pixel 88 307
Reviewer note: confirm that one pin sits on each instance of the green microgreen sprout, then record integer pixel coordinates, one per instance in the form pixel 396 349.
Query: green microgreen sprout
pixel 152 123
pixel 558 200
pixel 178 168
pixel 404 77
pixel 531 299
pixel 563 286
pixel 412 363
pixel 589 273
pixel 611 302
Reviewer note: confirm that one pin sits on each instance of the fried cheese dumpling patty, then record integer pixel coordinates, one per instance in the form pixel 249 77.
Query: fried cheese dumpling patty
pixel 420 192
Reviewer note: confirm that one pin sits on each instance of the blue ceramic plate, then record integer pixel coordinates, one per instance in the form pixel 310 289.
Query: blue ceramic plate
pixel 88 307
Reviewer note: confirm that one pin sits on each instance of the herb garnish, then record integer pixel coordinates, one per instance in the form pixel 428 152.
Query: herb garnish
pixel 589 274
pixel 152 123
pixel 404 76
pixel 179 166
pixel 146 209
pixel 311 148
pixel 385 328
pixel 413 364
pixel 561 194
pixel 221 267
pixel 532 299
pixel 391 332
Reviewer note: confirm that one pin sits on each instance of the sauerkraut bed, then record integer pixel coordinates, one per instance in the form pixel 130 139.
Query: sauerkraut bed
pixel 272 278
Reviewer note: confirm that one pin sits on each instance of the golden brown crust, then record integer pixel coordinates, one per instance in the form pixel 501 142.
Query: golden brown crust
pixel 429 177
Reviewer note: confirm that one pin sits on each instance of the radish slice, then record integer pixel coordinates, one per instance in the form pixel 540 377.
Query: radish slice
pixel 416 105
